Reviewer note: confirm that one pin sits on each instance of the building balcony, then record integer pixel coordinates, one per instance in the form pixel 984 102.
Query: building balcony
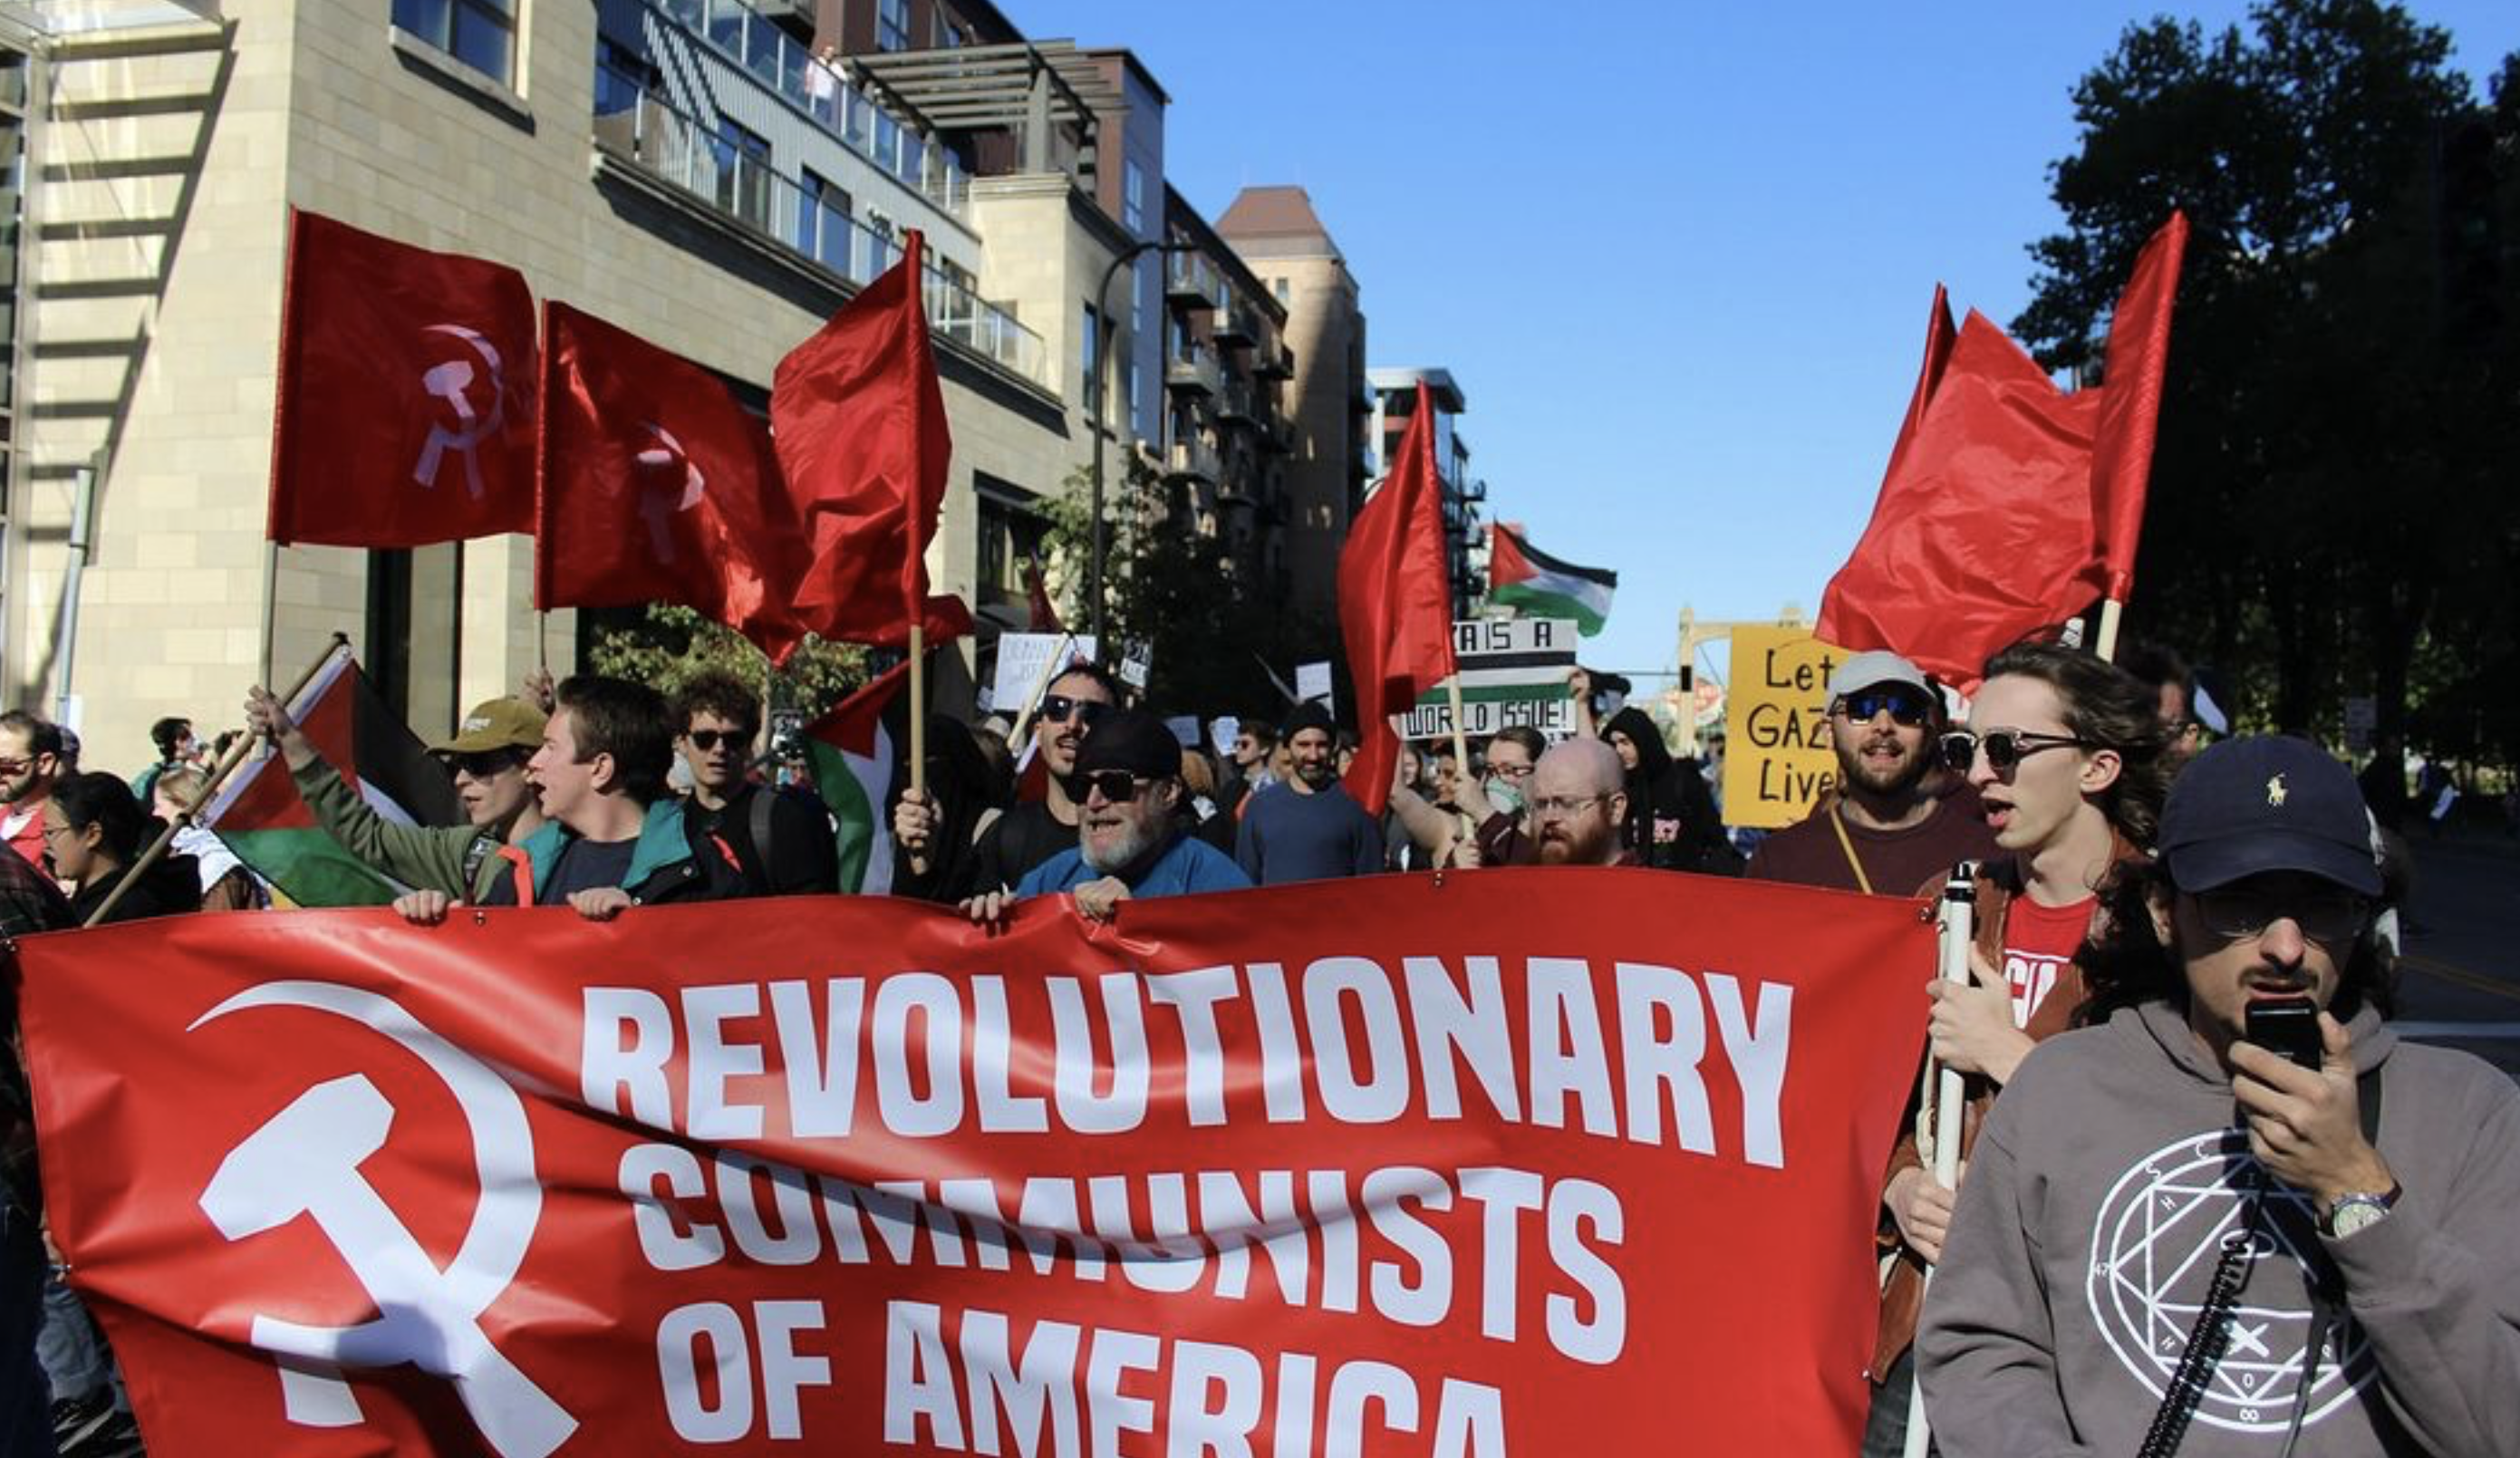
pixel 739 31
pixel 1190 280
pixel 650 138
pixel 1278 435
pixel 1233 323
pixel 1191 462
pixel 1192 373
pixel 1234 405
pixel 1275 364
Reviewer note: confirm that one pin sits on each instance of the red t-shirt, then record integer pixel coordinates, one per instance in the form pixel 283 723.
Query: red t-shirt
pixel 2038 942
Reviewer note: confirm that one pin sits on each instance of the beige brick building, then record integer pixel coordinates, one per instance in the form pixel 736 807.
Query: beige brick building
pixel 684 169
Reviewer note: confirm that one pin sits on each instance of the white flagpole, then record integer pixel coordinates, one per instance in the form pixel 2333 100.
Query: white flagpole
pixel 1956 922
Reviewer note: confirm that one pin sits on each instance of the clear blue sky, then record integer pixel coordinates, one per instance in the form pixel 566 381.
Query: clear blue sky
pixel 1678 256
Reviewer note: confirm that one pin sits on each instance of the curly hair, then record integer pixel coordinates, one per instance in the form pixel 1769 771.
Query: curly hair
pixel 719 695
pixel 2127 964
pixel 2106 706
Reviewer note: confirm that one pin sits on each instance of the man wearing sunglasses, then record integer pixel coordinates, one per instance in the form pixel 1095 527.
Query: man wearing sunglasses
pixel 787 846
pixel 1885 830
pixel 2315 1239
pixel 1308 828
pixel 30 759
pixel 1130 839
pixel 1033 831
pixel 486 756
pixel 2069 758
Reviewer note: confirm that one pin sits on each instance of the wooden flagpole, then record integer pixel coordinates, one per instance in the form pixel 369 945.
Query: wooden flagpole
pixel 2111 609
pixel 1461 756
pixel 918 707
pixel 1940 1143
pixel 236 756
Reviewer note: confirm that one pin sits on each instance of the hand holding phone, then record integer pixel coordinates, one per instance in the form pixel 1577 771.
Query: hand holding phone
pixel 2289 1026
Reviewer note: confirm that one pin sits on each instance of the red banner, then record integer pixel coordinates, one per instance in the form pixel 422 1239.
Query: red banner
pixel 1526 1162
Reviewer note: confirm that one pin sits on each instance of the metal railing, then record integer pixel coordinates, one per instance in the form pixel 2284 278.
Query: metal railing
pixel 675 148
pixel 747 37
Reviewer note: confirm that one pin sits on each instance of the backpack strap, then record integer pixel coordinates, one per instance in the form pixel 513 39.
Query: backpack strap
pixel 757 823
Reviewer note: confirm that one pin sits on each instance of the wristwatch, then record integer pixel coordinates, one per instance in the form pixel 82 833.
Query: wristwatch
pixel 2348 1214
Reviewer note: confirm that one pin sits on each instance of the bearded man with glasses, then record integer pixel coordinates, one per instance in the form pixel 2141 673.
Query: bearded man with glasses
pixel 1130 839
pixel 1032 831
pixel 2185 1223
pixel 2069 758
pixel 1891 823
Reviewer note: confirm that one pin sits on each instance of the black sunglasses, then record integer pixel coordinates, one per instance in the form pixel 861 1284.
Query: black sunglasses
pixel 2005 748
pixel 1060 708
pixel 1118 785
pixel 1904 707
pixel 708 740
pixel 484 763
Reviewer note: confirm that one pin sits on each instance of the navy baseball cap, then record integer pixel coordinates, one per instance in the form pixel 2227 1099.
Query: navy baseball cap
pixel 2266 803
pixel 1131 740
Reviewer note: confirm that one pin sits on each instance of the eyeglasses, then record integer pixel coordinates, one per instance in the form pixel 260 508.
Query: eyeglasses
pixel 1554 807
pixel 2241 910
pixel 57 832
pixel 1902 706
pixel 707 741
pixel 484 763
pixel 1059 708
pixel 1118 785
pixel 2005 748
pixel 1512 771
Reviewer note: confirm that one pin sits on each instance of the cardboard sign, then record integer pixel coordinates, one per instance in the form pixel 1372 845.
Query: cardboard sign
pixel 1313 684
pixel 1513 672
pixel 1021 657
pixel 1779 759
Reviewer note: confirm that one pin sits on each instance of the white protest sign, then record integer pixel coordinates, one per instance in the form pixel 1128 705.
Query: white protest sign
pixel 1313 683
pixel 1021 657
pixel 1513 672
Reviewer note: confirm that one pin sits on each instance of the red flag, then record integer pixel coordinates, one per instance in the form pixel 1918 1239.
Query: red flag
pixel 1984 527
pixel 655 485
pixel 405 413
pixel 2131 399
pixel 1395 603
pixel 860 424
pixel 1939 339
pixel 1044 612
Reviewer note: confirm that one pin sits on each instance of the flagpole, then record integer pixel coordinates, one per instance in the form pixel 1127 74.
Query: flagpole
pixel 237 753
pixel 2107 646
pixel 1460 756
pixel 918 708
pixel 1939 1143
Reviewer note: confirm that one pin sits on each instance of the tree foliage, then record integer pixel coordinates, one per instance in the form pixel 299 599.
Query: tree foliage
pixel 1218 628
pixel 2330 511
pixel 666 646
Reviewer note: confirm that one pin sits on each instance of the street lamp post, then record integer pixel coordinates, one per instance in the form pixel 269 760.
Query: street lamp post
pixel 1099 390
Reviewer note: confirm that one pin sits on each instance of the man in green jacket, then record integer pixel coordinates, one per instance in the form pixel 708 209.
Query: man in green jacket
pixel 487 755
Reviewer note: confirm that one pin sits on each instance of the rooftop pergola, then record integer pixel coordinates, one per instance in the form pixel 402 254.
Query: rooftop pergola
pixel 1022 87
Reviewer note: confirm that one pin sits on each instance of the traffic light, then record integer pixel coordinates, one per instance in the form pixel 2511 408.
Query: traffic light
pixel 2467 224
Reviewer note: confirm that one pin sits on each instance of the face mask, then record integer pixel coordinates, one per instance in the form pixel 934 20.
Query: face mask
pixel 1507 799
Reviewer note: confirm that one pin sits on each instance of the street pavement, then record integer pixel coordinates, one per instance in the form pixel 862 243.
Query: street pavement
pixel 2460 978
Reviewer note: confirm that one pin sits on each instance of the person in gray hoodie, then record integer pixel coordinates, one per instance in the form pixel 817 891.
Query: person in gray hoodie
pixel 2173 1240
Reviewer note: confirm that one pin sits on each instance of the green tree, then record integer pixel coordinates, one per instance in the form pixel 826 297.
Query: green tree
pixel 2325 504
pixel 1216 625
pixel 666 646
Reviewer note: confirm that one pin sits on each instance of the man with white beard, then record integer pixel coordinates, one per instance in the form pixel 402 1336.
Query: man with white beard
pixel 1130 840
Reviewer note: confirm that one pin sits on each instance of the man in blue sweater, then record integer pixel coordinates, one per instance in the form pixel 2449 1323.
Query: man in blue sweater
pixel 1130 837
pixel 1308 828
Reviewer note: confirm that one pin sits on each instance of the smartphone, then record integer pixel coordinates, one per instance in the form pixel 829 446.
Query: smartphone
pixel 2288 1025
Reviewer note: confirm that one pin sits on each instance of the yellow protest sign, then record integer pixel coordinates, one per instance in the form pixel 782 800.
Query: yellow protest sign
pixel 1778 757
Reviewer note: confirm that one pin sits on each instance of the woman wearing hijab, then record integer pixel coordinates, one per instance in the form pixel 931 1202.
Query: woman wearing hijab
pixel 1671 821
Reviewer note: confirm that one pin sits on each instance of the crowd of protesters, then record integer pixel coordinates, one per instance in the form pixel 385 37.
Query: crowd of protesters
pixel 2134 900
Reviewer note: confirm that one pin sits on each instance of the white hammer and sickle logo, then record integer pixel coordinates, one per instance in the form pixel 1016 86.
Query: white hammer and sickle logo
pixel 305 1160
pixel 669 485
pixel 452 381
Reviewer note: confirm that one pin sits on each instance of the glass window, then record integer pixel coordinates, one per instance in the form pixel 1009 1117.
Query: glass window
pixel 822 222
pixel 1280 285
pixel 888 141
pixel 480 33
pixel 892 25
pixel 1093 326
pixel 742 159
pixel 1133 199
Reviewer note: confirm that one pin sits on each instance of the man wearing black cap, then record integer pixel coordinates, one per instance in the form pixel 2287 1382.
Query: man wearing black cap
pixel 2182 1222
pixel 1130 843
pixel 1308 828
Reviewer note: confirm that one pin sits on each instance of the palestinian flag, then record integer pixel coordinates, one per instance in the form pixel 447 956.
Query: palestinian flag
pixel 259 815
pixel 1536 584
pixel 854 750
